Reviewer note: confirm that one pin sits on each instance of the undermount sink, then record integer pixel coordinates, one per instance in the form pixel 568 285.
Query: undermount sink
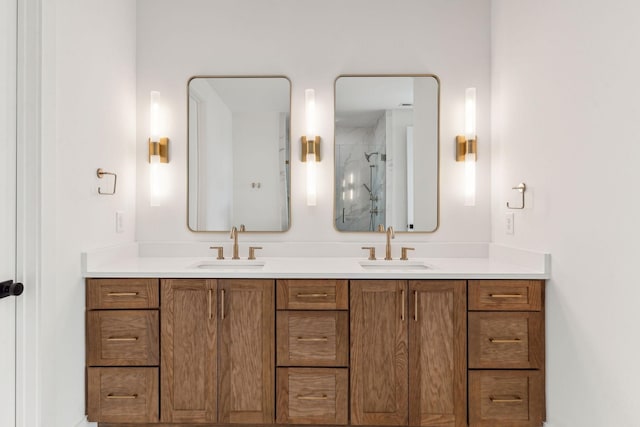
pixel 395 265
pixel 230 265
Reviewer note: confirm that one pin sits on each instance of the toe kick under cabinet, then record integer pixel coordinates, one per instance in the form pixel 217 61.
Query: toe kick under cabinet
pixel 433 353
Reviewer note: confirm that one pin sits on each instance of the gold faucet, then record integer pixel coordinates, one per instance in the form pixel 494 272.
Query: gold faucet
pixel 390 235
pixel 234 236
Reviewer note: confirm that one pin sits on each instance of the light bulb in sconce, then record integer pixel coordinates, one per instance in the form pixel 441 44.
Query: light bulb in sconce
pixel 158 151
pixel 311 146
pixel 467 148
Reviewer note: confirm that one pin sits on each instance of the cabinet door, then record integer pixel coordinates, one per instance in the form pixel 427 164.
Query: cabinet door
pixel 437 353
pixel 379 389
pixel 188 368
pixel 247 351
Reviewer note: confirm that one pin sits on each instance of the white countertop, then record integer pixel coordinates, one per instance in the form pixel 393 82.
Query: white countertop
pixel 500 263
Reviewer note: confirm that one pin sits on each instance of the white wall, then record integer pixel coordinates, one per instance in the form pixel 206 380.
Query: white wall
pixel 312 42
pixel 89 100
pixel 565 120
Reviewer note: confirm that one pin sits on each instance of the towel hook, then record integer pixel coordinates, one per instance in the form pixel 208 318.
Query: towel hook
pixel 522 187
pixel 101 173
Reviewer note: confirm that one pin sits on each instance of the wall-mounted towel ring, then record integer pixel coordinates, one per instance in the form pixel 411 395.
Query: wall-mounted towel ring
pixel 521 188
pixel 101 173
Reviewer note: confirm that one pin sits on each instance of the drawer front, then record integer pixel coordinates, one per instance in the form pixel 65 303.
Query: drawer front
pixel 506 398
pixel 311 396
pixel 312 338
pixel 122 293
pixel 312 295
pixel 122 395
pixel 506 340
pixel 505 295
pixel 122 337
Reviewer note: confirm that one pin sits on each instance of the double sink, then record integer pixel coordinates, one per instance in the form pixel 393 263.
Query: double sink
pixel 252 265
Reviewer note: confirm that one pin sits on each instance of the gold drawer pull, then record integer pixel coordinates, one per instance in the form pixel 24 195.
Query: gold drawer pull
pixel 514 399
pixel 122 294
pixel 323 339
pixel 505 295
pixel 122 339
pixel 313 295
pixel 504 340
pixel 122 396
pixel 323 397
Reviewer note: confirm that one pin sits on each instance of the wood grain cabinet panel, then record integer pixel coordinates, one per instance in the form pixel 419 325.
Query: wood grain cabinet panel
pixel 189 350
pixel 313 294
pixel 506 340
pixel 247 351
pixel 379 358
pixel 123 337
pixel 312 338
pixel 122 293
pixel 122 395
pixel 312 396
pixel 437 353
pixel 506 398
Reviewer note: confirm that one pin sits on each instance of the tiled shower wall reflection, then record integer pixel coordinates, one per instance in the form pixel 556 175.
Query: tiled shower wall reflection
pixel 360 176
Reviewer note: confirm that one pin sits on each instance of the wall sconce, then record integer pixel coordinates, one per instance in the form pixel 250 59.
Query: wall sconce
pixel 158 151
pixel 311 146
pixel 467 147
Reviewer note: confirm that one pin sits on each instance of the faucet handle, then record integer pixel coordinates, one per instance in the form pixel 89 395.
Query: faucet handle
pixel 252 251
pixel 404 256
pixel 372 252
pixel 381 228
pixel 220 251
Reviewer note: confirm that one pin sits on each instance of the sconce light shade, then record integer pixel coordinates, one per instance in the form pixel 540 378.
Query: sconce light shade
pixel 470 113
pixel 310 113
pixel 158 150
pixel 467 147
pixel 310 146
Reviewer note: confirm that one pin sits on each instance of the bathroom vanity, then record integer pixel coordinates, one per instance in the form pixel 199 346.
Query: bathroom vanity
pixel 370 349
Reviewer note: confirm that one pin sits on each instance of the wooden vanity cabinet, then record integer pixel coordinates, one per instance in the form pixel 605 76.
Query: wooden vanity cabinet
pixel 433 353
pixel 217 351
pixel 506 353
pixel 122 350
pixel 312 352
pixel 408 352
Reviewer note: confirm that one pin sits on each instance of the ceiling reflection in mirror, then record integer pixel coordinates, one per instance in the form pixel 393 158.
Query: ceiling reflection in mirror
pixel 239 151
pixel 386 152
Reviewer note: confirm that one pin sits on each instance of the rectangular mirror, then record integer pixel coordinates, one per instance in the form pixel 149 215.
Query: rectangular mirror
pixel 239 150
pixel 387 152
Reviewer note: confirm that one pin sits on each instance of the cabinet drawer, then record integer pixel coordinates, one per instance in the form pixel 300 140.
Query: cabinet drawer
pixel 506 340
pixel 506 398
pixel 122 395
pixel 312 295
pixel 311 396
pixel 122 293
pixel 505 295
pixel 312 338
pixel 122 337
